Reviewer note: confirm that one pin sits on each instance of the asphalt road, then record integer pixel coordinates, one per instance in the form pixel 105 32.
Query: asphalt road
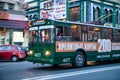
pixel 27 71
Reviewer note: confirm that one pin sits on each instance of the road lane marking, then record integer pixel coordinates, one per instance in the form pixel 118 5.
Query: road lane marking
pixel 73 73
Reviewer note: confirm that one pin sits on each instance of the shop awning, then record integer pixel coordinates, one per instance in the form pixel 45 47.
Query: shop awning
pixel 13 24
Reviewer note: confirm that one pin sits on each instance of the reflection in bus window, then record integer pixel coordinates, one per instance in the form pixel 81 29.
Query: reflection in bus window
pixel 106 33
pixel 63 33
pixel 33 36
pixel 44 35
pixel 59 31
pixel 116 35
pixel 75 33
pixel 93 33
pixel 79 33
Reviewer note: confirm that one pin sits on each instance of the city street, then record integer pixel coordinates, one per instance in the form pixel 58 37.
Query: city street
pixel 63 35
pixel 27 71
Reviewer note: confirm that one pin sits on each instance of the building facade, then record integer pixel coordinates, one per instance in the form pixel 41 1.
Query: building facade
pixel 106 12
pixel 102 12
pixel 12 22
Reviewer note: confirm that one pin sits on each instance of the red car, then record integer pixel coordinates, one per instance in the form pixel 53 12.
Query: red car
pixel 12 52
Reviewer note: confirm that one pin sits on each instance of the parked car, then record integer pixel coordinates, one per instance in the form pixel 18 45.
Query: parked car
pixel 12 52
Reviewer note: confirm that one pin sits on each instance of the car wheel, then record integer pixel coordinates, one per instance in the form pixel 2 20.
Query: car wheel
pixel 79 60
pixel 14 58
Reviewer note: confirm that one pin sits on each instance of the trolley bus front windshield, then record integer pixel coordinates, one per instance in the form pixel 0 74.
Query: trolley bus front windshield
pixel 41 34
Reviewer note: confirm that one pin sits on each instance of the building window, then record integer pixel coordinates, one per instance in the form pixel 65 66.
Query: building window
pixel 74 14
pixel 18 36
pixel 94 13
pixel 110 16
pixel 117 17
pixel 49 4
pixel 105 15
pixel 1 5
pixel 11 6
pixel 97 13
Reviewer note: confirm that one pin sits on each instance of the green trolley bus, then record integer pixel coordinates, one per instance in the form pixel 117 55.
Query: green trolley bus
pixel 57 42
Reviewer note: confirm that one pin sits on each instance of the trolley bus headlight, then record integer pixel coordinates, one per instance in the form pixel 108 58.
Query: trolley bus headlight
pixel 47 53
pixel 30 52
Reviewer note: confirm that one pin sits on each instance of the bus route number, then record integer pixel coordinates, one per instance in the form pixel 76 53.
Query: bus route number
pixel 104 45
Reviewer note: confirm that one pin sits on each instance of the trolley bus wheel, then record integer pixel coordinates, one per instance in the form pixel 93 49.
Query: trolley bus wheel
pixel 79 60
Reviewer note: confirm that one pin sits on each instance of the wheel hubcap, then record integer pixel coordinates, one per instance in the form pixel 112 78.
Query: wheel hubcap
pixel 79 60
pixel 14 59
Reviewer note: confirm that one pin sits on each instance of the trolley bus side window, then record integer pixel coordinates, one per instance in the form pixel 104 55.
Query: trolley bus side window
pixel 106 33
pixel 116 35
pixel 63 33
pixel 93 33
pixel 79 33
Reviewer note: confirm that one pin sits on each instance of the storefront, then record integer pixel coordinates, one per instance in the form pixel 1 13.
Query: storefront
pixel 12 32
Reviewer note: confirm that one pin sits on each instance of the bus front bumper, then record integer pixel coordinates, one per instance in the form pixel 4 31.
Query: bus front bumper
pixel 40 60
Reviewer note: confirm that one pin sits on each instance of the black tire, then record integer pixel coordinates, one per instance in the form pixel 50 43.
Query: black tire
pixel 79 59
pixel 14 59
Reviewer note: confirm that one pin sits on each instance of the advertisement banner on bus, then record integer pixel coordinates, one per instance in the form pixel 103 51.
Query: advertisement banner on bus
pixel 103 45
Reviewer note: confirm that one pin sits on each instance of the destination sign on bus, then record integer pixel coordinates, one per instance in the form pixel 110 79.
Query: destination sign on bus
pixel 38 22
